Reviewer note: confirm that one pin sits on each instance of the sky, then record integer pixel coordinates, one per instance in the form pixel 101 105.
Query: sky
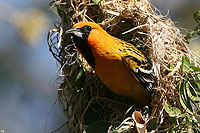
pixel 28 71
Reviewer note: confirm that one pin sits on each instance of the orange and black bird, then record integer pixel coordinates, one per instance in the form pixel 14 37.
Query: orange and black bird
pixel 119 65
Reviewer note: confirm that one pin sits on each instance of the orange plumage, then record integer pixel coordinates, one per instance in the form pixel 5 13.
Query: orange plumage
pixel 119 65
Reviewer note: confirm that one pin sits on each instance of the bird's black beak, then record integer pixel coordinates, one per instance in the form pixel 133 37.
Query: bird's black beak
pixel 75 32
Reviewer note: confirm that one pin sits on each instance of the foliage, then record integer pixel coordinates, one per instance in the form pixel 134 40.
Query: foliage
pixel 196 16
pixel 186 118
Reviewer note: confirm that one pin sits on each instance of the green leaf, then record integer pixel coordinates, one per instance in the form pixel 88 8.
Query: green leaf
pixel 194 84
pixel 79 83
pixel 79 79
pixel 185 64
pixel 198 31
pixel 187 118
pixel 172 111
pixel 194 68
pixel 192 90
pixel 97 1
pixel 184 98
pixel 197 81
pixel 189 35
pixel 196 16
pixel 97 127
pixel 196 127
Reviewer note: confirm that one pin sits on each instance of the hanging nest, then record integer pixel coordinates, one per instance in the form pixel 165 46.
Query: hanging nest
pixel 88 104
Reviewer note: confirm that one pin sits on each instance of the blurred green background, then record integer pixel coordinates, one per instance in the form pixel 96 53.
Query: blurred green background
pixel 28 72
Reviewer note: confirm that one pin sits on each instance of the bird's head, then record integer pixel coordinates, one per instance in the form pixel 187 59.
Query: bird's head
pixel 87 35
pixel 83 30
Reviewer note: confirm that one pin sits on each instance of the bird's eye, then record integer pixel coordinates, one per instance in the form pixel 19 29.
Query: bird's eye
pixel 89 28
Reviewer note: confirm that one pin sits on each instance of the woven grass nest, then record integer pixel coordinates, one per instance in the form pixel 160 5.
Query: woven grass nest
pixel 89 105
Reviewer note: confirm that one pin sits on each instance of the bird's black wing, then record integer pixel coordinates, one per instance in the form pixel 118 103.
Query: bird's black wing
pixel 141 69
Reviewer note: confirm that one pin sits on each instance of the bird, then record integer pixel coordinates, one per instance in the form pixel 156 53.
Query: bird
pixel 123 68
